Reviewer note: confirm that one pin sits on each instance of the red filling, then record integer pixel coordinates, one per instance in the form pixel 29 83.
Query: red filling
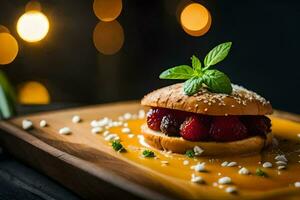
pixel 197 127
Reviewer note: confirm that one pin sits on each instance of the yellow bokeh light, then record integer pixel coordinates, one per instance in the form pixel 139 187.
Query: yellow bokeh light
pixel 8 48
pixel 107 10
pixel 108 37
pixel 195 19
pixel 33 26
pixel 33 92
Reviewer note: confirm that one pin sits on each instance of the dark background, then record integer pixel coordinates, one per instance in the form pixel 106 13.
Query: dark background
pixel 264 56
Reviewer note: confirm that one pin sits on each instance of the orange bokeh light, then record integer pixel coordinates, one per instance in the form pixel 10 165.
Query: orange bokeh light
pixel 33 92
pixel 195 19
pixel 108 37
pixel 107 10
pixel 8 48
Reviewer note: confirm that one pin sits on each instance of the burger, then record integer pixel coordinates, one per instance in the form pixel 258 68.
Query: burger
pixel 207 111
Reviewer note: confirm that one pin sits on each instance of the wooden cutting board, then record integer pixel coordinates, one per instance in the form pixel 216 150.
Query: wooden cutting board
pixel 87 168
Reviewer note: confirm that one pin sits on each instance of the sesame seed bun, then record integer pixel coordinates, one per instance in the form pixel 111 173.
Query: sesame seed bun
pixel 240 102
pixel 161 141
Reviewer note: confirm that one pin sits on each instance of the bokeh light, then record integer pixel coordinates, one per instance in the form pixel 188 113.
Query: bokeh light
pixel 108 37
pixel 107 10
pixel 195 19
pixel 33 5
pixel 33 92
pixel 8 48
pixel 33 26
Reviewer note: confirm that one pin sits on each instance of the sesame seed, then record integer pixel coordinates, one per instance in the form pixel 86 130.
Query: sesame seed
pixel 196 179
pixel 267 165
pixel 281 158
pixel 131 135
pixel 94 123
pixel 205 109
pixel 224 164
pixel 244 171
pixel 126 130
pixel 281 167
pixel 186 162
pixel 231 190
pixel 106 133
pixel 96 130
pixel 200 167
pixel 297 184
pixel 224 180
pixel 281 163
pixel 198 150
pixel 231 164
pixel 298 135
pixel 111 137
pixel 165 162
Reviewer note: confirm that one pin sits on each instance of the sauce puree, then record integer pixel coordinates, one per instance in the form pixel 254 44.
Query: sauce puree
pixel 178 175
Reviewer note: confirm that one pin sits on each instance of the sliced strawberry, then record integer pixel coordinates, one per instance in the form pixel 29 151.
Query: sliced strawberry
pixel 195 128
pixel 257 125
pixel 154 117
pixel 229 128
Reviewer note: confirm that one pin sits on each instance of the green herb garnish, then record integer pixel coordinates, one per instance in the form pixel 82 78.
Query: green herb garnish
pixel 117 146
pixel 148 153
pixel 260 172
pixel 197 76
pixel 190 153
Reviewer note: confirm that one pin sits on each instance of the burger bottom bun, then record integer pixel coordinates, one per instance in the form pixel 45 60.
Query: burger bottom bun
pixel 179 145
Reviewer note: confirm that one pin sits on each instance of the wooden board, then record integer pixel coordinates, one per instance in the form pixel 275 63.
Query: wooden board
pixel 80 165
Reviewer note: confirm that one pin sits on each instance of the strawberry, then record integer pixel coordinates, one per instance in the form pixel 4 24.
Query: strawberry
pixel 257 125
pixel 195 128
pixel 154 117
pixel 170 125
pixel 229 128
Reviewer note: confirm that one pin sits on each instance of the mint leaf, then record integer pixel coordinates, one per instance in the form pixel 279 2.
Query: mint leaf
pixel 260 172
pixel 190 153
pixel 117 146
pixel 217 54
pixel 217 81
pixel 147 153
pixel 192 85
pixel 180 72
pixel 196 64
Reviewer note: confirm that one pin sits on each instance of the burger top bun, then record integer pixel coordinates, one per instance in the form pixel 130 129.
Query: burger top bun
pixel 240 102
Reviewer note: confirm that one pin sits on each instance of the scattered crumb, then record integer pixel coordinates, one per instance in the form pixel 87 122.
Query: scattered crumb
pixel 64 131
pixel 76 119
pixel 43 123
pixel 27 124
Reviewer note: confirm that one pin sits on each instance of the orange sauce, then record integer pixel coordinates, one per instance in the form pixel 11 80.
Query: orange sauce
pixel 178 175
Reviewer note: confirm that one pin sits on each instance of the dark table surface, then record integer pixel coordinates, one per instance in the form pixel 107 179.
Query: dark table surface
pixel 20 182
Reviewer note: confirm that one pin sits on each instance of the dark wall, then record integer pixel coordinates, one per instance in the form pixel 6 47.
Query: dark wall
pixel 264 57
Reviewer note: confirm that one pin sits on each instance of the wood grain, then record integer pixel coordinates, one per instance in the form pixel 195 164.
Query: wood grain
pixel 80 165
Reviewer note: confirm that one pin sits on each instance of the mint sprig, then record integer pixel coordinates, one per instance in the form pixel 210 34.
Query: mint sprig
pixel 198 76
